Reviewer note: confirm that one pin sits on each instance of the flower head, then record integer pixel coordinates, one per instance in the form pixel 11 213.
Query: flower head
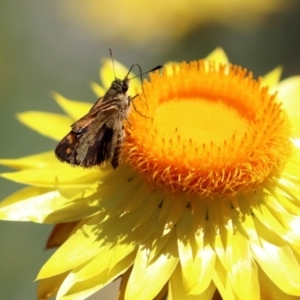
pixel 211 130
pixel 206 201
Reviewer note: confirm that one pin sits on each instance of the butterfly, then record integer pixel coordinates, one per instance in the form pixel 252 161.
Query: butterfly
pixel 98 136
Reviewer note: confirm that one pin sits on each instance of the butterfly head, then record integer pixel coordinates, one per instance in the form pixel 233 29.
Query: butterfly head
pixel 121 86
pixel 125 85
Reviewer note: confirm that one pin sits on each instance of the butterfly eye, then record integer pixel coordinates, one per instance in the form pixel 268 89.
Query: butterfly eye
pixel 125 87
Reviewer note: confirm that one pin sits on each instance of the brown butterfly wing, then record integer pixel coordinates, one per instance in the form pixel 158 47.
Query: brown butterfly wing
pixel 95 144
pixel 89 141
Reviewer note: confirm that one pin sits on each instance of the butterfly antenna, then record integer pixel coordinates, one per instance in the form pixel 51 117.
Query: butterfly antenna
pixel 112 60
pixel 141 74
pixel 130 71
pixel 141 77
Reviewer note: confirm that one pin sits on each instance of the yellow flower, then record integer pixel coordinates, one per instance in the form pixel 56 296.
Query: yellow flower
pixel 207 202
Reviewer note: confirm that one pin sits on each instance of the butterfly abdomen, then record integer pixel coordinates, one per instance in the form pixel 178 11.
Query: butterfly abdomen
pixel 117 151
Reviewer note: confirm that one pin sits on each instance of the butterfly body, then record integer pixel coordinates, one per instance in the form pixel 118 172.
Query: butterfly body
pixel 99 135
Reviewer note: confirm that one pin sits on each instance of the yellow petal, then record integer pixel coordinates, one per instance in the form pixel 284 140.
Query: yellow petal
pixel 177 290
pixel 222 282
pixel 243 273
pixel 248 223
pixel 29 204
pixel 44 205
pixel 48 287
pixel 205 256
pixel 277 260
pixel 289 203
pixel 36 161
pixel 270 290
pixel 47 124
pixel 191 269
pixel 56 175
pixel 97 89
pixel 171 67
pixel 60 233
pixel 113 253
pixel 290 180
pixel 278 220
pixel 288 93
pixel 75 109
pixel 147 279
pixel 81 246
pixel 115 248
pixel 159 239
pixel 103 263
pixel 173 212
pixel 272 78
pixel 217 236
pixel 218 55
pixel 82 290
pixel 150 204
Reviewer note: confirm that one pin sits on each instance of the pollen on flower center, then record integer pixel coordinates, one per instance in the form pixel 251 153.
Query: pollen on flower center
pixel 207 129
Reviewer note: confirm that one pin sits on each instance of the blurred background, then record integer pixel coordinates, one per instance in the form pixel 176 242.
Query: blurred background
pixel 56 46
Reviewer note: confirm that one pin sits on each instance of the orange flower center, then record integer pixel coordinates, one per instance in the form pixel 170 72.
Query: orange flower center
pixel 207 129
